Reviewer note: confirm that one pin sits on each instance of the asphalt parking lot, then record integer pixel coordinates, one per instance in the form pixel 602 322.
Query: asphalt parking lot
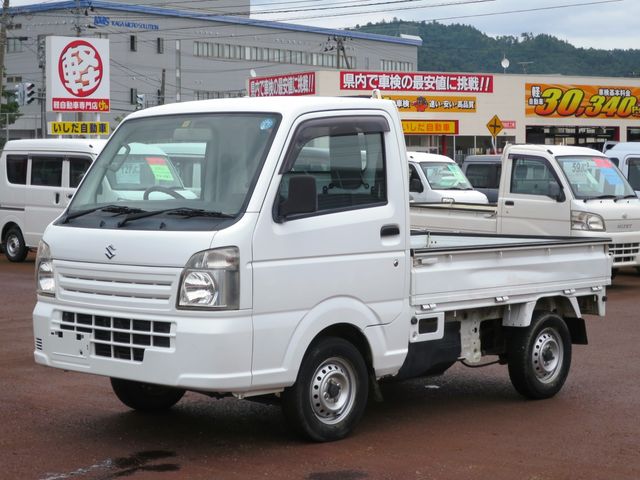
pixel 467 424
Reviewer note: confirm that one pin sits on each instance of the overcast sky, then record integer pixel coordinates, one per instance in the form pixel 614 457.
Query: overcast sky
pixel 604 24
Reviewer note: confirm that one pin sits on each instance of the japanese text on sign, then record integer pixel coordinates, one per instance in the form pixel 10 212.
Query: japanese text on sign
pixel 430 127
pixel 582 101
pixel 425 103
pixel 292 84
pixel 416 82
pixel 79 128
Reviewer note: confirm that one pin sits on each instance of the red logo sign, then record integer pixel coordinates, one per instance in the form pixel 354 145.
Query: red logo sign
pixel 80 68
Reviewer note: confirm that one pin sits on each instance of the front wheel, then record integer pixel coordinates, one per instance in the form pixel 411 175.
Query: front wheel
pixel 330 394
pixel 539 357
pixel 14 246
pixel 145 396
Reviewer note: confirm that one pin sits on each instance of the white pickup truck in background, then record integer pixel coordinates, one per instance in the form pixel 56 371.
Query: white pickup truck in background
pixel 294 274
pixel 436 178
pixel 551 190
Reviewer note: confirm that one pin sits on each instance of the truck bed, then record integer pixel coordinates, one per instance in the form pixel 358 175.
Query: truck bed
pixel 466 217
pixel 452 271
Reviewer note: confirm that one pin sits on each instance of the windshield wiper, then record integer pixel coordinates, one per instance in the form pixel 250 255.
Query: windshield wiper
pixel 600 197
pixel 183 211
pixel 626 196
pixel 117 209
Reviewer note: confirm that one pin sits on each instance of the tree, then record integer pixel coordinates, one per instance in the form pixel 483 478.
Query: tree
pixel 9 112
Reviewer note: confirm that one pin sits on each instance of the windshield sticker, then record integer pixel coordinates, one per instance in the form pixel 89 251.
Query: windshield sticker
pixel 159 168
pixel 266 124
pixel 602 162
pixel 457 173
pixel 128 173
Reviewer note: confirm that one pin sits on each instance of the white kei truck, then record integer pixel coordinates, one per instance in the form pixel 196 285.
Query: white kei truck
pixel 290 274
pixel 551 190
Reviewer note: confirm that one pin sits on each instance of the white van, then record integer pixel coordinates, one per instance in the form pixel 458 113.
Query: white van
pixel 435 178
pixel 626 156
pixel 37 180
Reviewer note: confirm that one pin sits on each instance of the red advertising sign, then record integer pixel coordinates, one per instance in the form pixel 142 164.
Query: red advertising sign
pixel 291 84
pixel 77 74
pixel 416 82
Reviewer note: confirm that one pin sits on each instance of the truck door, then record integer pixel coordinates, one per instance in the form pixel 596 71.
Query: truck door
pixel 329 247
pixel 536 203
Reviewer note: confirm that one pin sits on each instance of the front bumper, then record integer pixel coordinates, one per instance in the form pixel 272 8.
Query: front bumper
pixel 195 351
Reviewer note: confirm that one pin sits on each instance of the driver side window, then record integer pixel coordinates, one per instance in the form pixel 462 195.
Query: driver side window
pixel 532 176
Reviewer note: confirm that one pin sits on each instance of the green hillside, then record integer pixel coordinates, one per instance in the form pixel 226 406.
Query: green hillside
pixel 462 48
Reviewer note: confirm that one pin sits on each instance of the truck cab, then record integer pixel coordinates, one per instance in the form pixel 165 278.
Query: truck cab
pixel 437 178
pixel 626 156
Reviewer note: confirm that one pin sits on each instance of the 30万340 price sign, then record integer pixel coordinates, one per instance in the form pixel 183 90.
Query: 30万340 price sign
pixel 582 101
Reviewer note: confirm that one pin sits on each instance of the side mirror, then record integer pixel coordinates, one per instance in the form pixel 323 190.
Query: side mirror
pixel 302 198
pixel 557 192
pixel 415 185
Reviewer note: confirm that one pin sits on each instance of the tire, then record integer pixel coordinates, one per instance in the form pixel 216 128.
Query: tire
pixel 145 396
pixel 14 246
pixel 330 393
pixel 539 357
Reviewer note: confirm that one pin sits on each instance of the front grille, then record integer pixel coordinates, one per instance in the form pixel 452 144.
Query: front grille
pixel 624 252
pixel 116 337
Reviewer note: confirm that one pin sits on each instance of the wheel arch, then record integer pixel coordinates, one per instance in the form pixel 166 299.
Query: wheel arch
pixel 341 317
pixel 567 308
pixel 8 226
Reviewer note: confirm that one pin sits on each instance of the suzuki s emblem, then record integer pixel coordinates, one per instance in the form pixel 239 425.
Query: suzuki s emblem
pixel 110 252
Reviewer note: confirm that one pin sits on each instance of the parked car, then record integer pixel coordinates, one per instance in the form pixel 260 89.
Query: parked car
pixel 437 178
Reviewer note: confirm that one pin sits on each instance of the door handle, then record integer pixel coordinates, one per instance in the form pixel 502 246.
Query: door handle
pixel 389 230
pixel 57 198
pixel 509 203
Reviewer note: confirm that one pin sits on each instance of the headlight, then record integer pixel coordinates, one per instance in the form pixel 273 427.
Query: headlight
pixel 45 279
pixel 586 221
pixel 211 280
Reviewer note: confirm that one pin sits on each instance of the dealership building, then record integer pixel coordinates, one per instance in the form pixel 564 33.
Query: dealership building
pixel 163 55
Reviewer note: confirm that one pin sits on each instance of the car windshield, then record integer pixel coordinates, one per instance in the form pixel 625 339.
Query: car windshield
pixel 206 163
pixel 593 177
pixel 445 176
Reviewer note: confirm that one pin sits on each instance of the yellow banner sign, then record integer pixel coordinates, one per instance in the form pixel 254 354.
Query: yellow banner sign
pixel 587 101
pixel 79 128
pixel 430 103
pixel 430 127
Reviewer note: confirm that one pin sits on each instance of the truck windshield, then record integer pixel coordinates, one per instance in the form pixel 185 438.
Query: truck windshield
pixel 594 177
pixel 168 165
pixel 445 176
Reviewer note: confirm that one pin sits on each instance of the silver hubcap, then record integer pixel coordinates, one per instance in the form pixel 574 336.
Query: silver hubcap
pixel 547 355
pixel 13 245
pixel 332 391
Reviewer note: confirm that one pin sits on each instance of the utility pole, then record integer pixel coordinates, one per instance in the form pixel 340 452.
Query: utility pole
pixel 42 63
pixel 3 39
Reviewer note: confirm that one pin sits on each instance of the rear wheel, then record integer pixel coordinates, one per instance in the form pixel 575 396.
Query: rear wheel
pixel 330 394
pixel 539 357
pixel 14 246
pixel 145 396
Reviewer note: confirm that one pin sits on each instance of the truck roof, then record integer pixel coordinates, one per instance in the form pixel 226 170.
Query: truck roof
pixel 91 145
pixel 428 157
pixel 286 105
pixel 554 149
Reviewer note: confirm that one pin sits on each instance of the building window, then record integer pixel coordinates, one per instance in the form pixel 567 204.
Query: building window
pixel 160 45
pixel 133 43
pixel 14 44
